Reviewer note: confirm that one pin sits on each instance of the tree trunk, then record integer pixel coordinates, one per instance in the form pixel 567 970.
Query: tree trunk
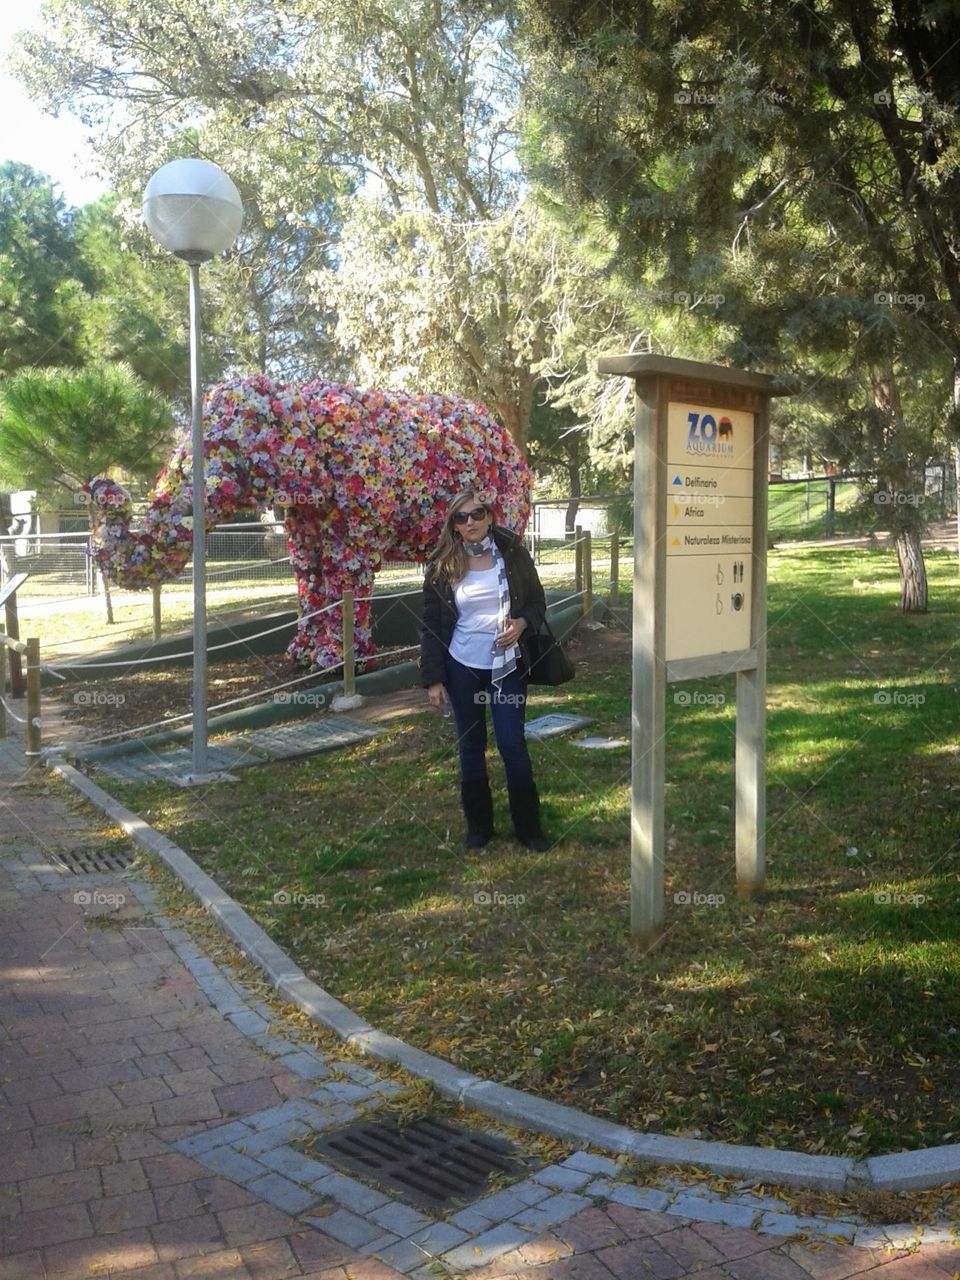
pixel 107 598
pixel 573 506
pixel 913 572
pixel 97 571
pixel 906 524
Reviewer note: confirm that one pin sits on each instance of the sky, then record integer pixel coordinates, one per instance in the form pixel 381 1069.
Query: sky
pixel 56 146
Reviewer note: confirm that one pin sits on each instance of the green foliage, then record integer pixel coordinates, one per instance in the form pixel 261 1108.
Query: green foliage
pixel 801 171
pixel 42 284
pixel 61 427
pixel 136 308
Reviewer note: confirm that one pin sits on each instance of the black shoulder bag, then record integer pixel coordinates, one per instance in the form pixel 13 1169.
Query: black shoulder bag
pixel 549 663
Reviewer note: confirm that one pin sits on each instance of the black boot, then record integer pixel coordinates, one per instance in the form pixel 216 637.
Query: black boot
pixel 525 811
pixel 478 808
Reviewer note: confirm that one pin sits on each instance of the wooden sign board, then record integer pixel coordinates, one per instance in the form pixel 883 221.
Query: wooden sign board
pixel 699 589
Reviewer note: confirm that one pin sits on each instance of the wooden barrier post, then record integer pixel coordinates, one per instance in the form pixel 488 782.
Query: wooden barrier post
pixel 349 686
pixel 17 685
pixel 586 607
pixel 614 571
pixel 156 611
pixel 578 559
pixel 33 703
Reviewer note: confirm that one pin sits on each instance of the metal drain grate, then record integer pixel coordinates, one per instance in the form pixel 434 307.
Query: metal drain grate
pixel 429 1163
pixel 84 862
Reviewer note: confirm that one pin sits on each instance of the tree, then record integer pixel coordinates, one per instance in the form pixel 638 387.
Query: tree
pixel 134 311
pixel 333 114
pixel 60 428
pixel 799 164
pixel 483 306
pixel 41 277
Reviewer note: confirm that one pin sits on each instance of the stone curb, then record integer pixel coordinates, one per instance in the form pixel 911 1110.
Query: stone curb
pixel 903 1171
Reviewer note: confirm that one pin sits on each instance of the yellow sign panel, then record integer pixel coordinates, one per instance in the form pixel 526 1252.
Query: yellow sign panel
pixel 709 521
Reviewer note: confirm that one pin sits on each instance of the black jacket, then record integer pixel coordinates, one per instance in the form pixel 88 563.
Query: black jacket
pixel 440 609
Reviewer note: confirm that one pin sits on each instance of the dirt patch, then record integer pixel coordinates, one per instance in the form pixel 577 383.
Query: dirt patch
pixel 102 706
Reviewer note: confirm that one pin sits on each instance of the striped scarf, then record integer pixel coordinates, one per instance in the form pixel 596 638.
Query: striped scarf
pixel 504 659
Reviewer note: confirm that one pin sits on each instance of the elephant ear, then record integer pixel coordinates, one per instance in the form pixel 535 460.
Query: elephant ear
pixel 294 470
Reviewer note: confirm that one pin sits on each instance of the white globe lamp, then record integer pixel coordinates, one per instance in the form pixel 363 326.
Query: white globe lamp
pixel 194 210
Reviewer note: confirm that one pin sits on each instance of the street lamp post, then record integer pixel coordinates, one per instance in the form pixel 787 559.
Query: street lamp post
pixel 194 210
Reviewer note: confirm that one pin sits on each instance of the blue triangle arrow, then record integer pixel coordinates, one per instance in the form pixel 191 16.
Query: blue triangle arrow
pixel 678 480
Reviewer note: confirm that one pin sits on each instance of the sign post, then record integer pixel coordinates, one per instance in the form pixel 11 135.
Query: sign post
pixel 699 589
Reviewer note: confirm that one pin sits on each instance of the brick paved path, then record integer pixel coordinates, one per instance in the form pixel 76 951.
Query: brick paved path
pixel 111 1053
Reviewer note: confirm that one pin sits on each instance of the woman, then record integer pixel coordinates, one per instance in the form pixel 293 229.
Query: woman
pixel 480 594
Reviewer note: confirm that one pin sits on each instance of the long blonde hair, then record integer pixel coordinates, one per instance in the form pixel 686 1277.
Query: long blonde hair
pixel 449 560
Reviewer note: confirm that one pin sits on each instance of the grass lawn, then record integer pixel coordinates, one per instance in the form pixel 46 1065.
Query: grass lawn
pixel 823 1014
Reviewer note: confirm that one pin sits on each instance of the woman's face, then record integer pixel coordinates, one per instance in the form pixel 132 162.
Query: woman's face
pixel 478 522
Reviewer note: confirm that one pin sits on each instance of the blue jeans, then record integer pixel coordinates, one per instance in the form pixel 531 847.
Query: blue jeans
pixel 471 691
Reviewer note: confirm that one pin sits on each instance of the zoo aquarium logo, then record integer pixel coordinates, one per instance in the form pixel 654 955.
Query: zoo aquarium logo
pixel 291 898
pixel 97 898
pixel 897 698
pixel 707 436
pixel 494 898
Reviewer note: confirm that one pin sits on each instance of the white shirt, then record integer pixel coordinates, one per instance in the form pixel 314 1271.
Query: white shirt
pixel 477 596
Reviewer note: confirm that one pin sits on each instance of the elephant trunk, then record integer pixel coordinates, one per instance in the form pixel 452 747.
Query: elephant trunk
pixel 139 559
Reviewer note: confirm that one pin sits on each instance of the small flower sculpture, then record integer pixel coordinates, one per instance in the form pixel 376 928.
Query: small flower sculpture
pixel 363 476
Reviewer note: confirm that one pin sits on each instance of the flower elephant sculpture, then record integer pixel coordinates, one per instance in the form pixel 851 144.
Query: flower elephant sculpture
pixel 362 476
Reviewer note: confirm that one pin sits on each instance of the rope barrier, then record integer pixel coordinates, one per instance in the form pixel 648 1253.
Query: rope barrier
pixel 188 653
pixel 258 693
pixel 215 616
pixel 10 712
pixel 188 715
pixel 394 595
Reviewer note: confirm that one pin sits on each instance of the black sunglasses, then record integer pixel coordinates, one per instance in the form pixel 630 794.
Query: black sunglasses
pixel 461 517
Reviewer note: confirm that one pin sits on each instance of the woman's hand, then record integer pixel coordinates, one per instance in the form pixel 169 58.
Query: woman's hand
pixel 511 633
pixel 437 695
